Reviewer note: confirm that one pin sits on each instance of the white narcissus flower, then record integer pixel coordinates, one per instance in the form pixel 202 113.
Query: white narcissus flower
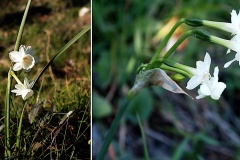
pixel 235 47
pixel 23 90
pixel 233 27
pixel 23 58
pixel 232 44
pixel 212 87
pixel 201 74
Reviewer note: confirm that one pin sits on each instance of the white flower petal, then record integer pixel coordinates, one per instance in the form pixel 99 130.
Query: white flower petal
pixel 193 82
pixel 20 86
pixel 218 90
pixel 22 49
pixel 228 63
pixel 200 95
pixel 15 56
pixel 17 66
pixel 27 93
pixel 228 51
pixel 215 75
pixel 205 89
pixel 207 61
pixel 201 68
pixel 16 91
pixel 25 82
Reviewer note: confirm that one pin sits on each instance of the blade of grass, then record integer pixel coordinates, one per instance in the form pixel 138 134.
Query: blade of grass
pixel 62 50
pixel 146 155
pixel 180 149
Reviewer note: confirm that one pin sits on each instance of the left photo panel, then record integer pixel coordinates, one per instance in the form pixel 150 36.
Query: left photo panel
pixel 45 87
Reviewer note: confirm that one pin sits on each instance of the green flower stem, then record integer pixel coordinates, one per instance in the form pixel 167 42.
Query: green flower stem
pixel 7 101
pixel 62 50
pixel 194 22
pixel 114 125
pixel 20 129
pixel 7 117
pixel 146 155
pixel 179 41
pixel 188 70
pixel 20 32
pixel 15 77
pixel 164 42
pixel 201 34
pixel 222 42
pixel 176 70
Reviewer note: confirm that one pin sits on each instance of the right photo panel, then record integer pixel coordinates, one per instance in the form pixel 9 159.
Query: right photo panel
pixel 165 80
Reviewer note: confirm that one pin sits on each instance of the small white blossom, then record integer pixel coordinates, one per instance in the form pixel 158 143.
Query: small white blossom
pixel 23 58
pixel 234 45
pixel 201 74
pixel 212 87
pixel 24 90
pixel 233 27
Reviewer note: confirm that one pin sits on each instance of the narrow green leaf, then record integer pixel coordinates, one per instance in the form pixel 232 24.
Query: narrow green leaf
pixel 146 155
pixel 62 50
pixel 180 149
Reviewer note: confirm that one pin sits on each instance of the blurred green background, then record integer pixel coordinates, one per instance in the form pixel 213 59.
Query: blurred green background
pixel 126 34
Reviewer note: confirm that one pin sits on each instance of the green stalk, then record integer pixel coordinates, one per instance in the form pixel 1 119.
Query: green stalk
pixel 19 130
pixel 15 77
pixel 7 103
pixel 146 155
pixel 176 70
pixel 114 126
pixel 62 50
pixel 188 70
pixel 179 41
pixel 7 116
pixel 20 32
pixel 201 34
pixel 164 42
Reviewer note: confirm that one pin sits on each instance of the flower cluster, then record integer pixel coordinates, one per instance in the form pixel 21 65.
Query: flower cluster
pixel 25 60
pixel 234 29
pixel 209 86
pixel 201 76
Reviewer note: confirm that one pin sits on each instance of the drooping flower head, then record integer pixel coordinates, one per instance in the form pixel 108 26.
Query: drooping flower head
pixel 201 74
pixel 233 27
pixel 24 89
pixel 232 45
pixel 23 58
pixel 235 47
pixel 212 87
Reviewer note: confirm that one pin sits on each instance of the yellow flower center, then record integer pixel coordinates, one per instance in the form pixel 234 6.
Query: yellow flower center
pixel 25 59
pixel 206 77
